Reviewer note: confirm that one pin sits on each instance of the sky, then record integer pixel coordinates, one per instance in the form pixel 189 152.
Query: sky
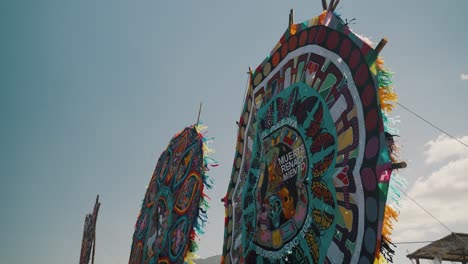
pixel 92 92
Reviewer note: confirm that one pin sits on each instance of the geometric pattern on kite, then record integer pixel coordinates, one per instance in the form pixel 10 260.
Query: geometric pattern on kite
pixel 313 160
pixel 174 207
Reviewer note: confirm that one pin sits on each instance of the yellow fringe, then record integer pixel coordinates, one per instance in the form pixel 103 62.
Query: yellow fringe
pixel 387 95
pixel 200 127
pixel 387 98
pixel 190 257
pixel 207 150
pixel 380 260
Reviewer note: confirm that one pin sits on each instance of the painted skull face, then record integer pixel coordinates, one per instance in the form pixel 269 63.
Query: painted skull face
pixel 288 203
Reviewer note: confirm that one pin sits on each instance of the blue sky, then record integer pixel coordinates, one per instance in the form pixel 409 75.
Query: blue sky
pixel 92 92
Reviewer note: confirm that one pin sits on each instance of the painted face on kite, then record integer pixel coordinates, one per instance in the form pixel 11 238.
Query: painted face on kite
pixel 165 229
pixel 306 184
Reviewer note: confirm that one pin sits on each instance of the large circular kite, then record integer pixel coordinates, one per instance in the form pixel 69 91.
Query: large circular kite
pixel 312 166
pixel 174 206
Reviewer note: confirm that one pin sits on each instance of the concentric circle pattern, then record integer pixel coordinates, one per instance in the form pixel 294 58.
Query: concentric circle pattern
pixel 311 149
pixel 171 205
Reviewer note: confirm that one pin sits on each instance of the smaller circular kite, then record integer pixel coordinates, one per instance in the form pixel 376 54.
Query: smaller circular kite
pixel 174 207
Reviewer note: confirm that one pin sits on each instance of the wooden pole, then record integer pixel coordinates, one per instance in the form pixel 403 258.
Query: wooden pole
pixel 335 5
pixel 94 247
pixel 399 165
pixel 381 45
pixel 95 215
pixel 89 232
pixel 83 242
pixel 324 4
pixel 199 112
pixel 291 17
pixel 332 3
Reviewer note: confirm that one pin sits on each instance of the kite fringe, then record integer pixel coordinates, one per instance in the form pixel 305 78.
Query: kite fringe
pixel 396 184
pixel 202 218
pixel 386 246
pixel 388 99
pixel 387 94
pixel 391 123
pixel 190 257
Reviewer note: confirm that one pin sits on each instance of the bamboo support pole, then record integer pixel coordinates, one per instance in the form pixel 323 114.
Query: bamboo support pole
pixel 381 45
pixel 324 4
pixel 335 5
pixel 199 112
pixel 291 17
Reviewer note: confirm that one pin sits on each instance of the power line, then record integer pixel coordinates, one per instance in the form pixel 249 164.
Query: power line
pixel 414 201
pixel 420 206
pixel 429 213
pixel 412 242
pixel 434 126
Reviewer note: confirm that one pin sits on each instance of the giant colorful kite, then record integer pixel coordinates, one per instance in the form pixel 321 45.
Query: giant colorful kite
pixel 314 155
pixel 174 207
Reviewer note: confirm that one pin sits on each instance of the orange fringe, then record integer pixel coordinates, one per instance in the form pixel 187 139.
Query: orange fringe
pixel 390 217
pixel 380 63
pixel 293 29
pixel 387 99
pixel 322 17
pixel 387 96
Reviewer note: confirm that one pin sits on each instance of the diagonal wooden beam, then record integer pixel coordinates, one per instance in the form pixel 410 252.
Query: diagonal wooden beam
pixel 335 5
pixel 291 17
pixel 381 45
pixel 324 4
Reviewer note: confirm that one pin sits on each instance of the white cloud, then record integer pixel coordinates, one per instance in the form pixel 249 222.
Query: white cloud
pixel 443 148
pixel 444 193
pixel 464 77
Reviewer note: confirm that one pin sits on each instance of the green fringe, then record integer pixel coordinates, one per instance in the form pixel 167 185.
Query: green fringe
pixel 202 216
pixel 396 184
pixel 193 247
pixel 385 78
